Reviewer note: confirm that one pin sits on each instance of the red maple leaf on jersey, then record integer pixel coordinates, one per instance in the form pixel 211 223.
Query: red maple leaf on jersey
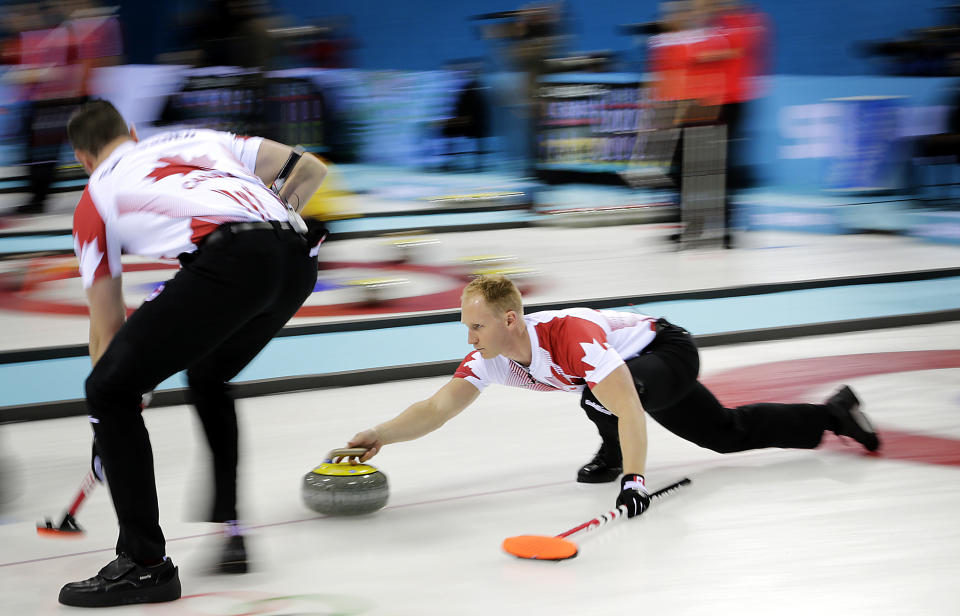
pixel 175 165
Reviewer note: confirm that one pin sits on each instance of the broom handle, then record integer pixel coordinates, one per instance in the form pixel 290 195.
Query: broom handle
pixel 620 512
pixel 86 487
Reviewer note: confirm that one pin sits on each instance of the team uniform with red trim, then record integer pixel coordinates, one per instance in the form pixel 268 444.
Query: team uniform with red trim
pixel 162 196
pixel 576 348
pixel 191 195
pixel 572 349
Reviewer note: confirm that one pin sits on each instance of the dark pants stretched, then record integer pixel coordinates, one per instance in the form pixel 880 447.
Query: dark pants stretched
pixel 212 318
pixel 665 374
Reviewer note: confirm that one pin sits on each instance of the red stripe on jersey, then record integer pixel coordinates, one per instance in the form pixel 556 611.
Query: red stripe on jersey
pixel 229 194
pixel 90 238
pixel 201 229
pixel 246 195
pixel 244 201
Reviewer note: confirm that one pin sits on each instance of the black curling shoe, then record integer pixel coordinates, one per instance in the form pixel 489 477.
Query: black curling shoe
pixel 600 469
pixel 233 558
pixel 850 420
pixel 124 582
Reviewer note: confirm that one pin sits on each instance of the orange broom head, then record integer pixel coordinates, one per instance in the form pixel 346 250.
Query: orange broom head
pixel 67 530
pixel 59 534
pixel 536 547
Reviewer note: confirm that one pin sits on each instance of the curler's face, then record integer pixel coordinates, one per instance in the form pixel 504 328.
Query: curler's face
pixel 487 330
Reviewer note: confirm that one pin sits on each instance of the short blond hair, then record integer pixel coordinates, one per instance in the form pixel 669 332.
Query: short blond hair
pixel 497 291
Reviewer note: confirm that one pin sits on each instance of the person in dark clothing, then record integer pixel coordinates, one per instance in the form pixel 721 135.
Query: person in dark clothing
pixel 469 122
pixel 248 263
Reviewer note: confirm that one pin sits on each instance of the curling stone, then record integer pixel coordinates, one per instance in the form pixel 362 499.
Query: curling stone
pixel 337 487
pixel 375 291
pixel 472 263
pixel 498 265
pixel 413 249
pixel 516 274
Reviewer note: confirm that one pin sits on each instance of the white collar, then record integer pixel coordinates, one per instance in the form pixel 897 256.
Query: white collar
pixel 118 151
pixel 535 358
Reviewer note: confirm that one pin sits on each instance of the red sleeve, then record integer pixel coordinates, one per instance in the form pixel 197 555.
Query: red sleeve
pixel 464 370
pixel 471 370
pixel 90 240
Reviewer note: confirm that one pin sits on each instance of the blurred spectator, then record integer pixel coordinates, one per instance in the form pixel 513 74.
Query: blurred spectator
pixel 687 62
pixel 51 78
pixel 532 35
pixel 467 129
pixel 14 20
pixel 746 30
pixel 921 52
pixel 938 152
pixel 229 33
pixel 56 49
pixel 685 90
pixel 327 43
pixel 98 39
pixel 706 63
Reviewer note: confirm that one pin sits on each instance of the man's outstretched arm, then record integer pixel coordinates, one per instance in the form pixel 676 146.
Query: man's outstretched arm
pixel 419 419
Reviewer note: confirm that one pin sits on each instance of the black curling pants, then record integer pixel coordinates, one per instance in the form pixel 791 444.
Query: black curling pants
pixel 666 373
pixel 212 318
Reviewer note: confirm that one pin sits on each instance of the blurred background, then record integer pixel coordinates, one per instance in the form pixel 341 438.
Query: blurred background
pixel 755 172
pixel 691 126
pixel 824 98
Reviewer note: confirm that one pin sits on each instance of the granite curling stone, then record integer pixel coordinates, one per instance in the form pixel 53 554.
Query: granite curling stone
pixel 342 488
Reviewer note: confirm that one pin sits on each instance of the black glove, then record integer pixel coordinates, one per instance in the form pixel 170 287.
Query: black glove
pixel 633 494
pixel 97 464
pixel 316 231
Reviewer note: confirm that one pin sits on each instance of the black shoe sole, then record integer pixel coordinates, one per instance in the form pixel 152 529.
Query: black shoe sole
pixel 233 558
pixel 233 568
pixel 156 594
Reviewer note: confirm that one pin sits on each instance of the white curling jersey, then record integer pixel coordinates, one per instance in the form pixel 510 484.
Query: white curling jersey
pixel 572 348
pixel 160 196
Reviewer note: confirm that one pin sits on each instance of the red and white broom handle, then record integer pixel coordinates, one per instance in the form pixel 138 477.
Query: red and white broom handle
pixel 86 487
pixel 618 513
pixel 597 522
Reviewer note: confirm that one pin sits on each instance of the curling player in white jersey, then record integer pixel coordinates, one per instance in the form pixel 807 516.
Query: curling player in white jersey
pixel 248 262
pixel 625 366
